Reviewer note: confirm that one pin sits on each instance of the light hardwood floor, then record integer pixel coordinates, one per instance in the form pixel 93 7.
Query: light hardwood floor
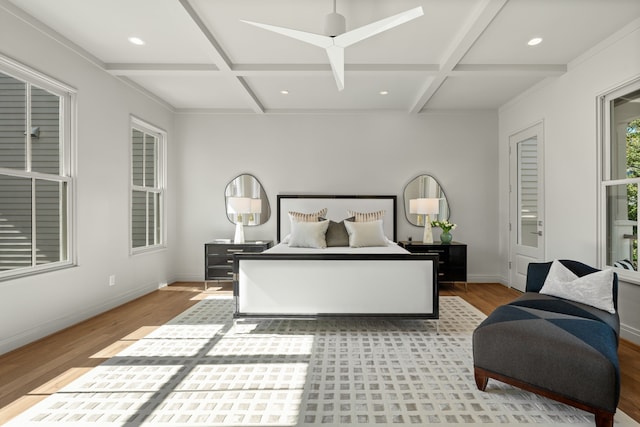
pixel 33 372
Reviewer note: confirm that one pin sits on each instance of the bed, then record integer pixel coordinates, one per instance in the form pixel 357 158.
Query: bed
pixel 373 281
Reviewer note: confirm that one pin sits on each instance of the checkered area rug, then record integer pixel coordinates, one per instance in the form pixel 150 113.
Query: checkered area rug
pixel 202 369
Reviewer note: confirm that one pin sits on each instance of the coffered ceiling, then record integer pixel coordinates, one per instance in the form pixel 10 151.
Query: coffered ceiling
pixel 197 55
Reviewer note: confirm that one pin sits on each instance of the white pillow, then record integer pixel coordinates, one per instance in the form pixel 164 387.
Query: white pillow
pixel 363 234
pixel 595 289
pixel 308 234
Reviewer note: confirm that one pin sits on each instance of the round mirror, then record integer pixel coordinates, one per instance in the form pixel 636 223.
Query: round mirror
pixel 425 187
pixel 246 201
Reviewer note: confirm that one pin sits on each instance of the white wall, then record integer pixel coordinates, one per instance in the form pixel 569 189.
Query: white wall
pixel 376 153
pixel 567 105
pixel 38 305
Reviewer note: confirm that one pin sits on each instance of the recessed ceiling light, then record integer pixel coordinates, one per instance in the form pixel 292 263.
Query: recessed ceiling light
pixel 284 92
pixel 535 41
pixel 136 40
pixel 384 92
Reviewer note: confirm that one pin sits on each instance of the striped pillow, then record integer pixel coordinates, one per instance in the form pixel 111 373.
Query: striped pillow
pixel 307 217
pixel 366 216
pixel 624 263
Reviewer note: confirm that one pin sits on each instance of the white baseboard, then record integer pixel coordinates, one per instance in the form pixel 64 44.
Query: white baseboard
pixel 54 325
pixel 482 278
pixel 504 280
pixel 189 277
pixel 630 333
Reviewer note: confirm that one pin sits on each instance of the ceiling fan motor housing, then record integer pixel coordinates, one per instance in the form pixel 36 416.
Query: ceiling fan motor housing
pixel 334 25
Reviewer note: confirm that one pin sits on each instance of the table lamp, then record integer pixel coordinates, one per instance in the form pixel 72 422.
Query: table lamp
pixel 425 207
pixel 238 206
pixel 256 208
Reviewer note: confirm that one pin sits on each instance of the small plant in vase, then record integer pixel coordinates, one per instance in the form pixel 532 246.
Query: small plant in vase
pixel 446 228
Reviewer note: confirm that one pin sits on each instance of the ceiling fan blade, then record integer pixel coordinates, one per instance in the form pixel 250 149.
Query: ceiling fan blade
pixel 366 31
pixel 336 59
pixel 311 38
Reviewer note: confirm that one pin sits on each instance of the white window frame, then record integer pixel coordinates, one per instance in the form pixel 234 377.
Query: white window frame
pixel 603 106
pixel 160 172
pixel 68 117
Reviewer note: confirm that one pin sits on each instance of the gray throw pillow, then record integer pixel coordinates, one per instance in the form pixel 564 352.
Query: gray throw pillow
pixel 337 234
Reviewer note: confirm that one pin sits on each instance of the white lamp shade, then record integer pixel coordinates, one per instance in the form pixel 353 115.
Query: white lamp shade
pixel 424 206
pixel 256 205
pixel 413 206
pixel 239 205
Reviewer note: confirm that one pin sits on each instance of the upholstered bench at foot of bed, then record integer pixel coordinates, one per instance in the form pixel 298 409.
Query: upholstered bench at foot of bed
pixel 560 349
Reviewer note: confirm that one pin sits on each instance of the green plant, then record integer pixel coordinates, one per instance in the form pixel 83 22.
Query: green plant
pixel 444 225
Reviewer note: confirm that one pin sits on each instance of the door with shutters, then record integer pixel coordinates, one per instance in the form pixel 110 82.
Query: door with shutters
pixel 526 203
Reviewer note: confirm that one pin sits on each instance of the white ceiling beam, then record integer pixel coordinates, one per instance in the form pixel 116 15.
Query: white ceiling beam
pixel 264 69
pixel 140 69
pixel 466 37
pixel 159 69
pixel 543 70
pixel 221 60
pixel 322 69
pixel 249 95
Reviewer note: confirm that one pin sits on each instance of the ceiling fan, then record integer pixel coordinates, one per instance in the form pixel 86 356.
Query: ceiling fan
pixel 336 37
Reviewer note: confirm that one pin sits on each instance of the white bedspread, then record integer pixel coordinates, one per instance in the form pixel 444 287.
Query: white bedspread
pixel 392 248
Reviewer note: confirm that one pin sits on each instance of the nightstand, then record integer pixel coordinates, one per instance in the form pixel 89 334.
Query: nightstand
pixel 218 257
pixel 452 264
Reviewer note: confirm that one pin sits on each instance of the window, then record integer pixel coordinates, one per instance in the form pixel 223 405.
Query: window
pixel 36 182
pixel 620 124
pixel 147 186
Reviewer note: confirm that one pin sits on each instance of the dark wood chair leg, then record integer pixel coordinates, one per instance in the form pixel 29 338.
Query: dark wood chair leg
pixel 481 379
pixel 604 419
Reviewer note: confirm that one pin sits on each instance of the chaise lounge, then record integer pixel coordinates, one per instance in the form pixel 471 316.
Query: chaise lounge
pixel 555 347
